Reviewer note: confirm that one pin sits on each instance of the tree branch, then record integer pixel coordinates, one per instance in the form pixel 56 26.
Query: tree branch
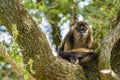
pixel 108 75
pixel 30 38
pixel 107 46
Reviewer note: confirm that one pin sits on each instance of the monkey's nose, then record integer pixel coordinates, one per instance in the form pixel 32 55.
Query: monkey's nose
pixel 81 34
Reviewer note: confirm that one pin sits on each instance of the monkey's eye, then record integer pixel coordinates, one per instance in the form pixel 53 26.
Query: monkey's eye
pixel 78 28
pixel 81 28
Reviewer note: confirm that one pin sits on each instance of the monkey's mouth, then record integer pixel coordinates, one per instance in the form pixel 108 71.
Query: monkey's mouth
pixel 81 34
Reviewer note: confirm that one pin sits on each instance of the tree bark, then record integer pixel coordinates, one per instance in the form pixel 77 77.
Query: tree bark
pixel 108 48
pixel 34 45
pixel 30 38
pixel 115 58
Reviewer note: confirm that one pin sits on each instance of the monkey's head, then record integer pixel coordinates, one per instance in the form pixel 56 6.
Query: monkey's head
pixel 80 30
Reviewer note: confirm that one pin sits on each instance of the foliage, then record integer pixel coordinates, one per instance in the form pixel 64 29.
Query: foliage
pixel 102 16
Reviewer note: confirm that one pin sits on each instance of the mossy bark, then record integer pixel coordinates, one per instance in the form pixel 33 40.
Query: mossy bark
pixel 110 53
pixel 34 45
pixel 30 38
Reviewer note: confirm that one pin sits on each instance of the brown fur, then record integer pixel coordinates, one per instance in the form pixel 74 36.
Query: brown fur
pixel 78 42
pixel 81 50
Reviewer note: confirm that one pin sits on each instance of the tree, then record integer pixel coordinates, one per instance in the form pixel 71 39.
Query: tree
pixel 34 46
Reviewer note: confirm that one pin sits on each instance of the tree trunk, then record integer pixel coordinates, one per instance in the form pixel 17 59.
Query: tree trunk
pixel 30 38
pixel 110 54
pixel 34 45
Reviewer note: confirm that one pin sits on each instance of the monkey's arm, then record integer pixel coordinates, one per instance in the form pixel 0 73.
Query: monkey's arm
pixel 83 50
pixel 67 36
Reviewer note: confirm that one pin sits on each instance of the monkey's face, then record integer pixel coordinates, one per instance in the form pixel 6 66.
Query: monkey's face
pixel 81 31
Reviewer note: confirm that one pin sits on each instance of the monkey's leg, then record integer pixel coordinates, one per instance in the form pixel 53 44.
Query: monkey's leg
pixel 73 57
pixel 91 57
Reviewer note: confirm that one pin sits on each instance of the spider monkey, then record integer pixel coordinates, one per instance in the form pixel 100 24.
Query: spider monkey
pixel 77 44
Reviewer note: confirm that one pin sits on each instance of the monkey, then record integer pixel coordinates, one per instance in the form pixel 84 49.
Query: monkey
pixel 77 44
